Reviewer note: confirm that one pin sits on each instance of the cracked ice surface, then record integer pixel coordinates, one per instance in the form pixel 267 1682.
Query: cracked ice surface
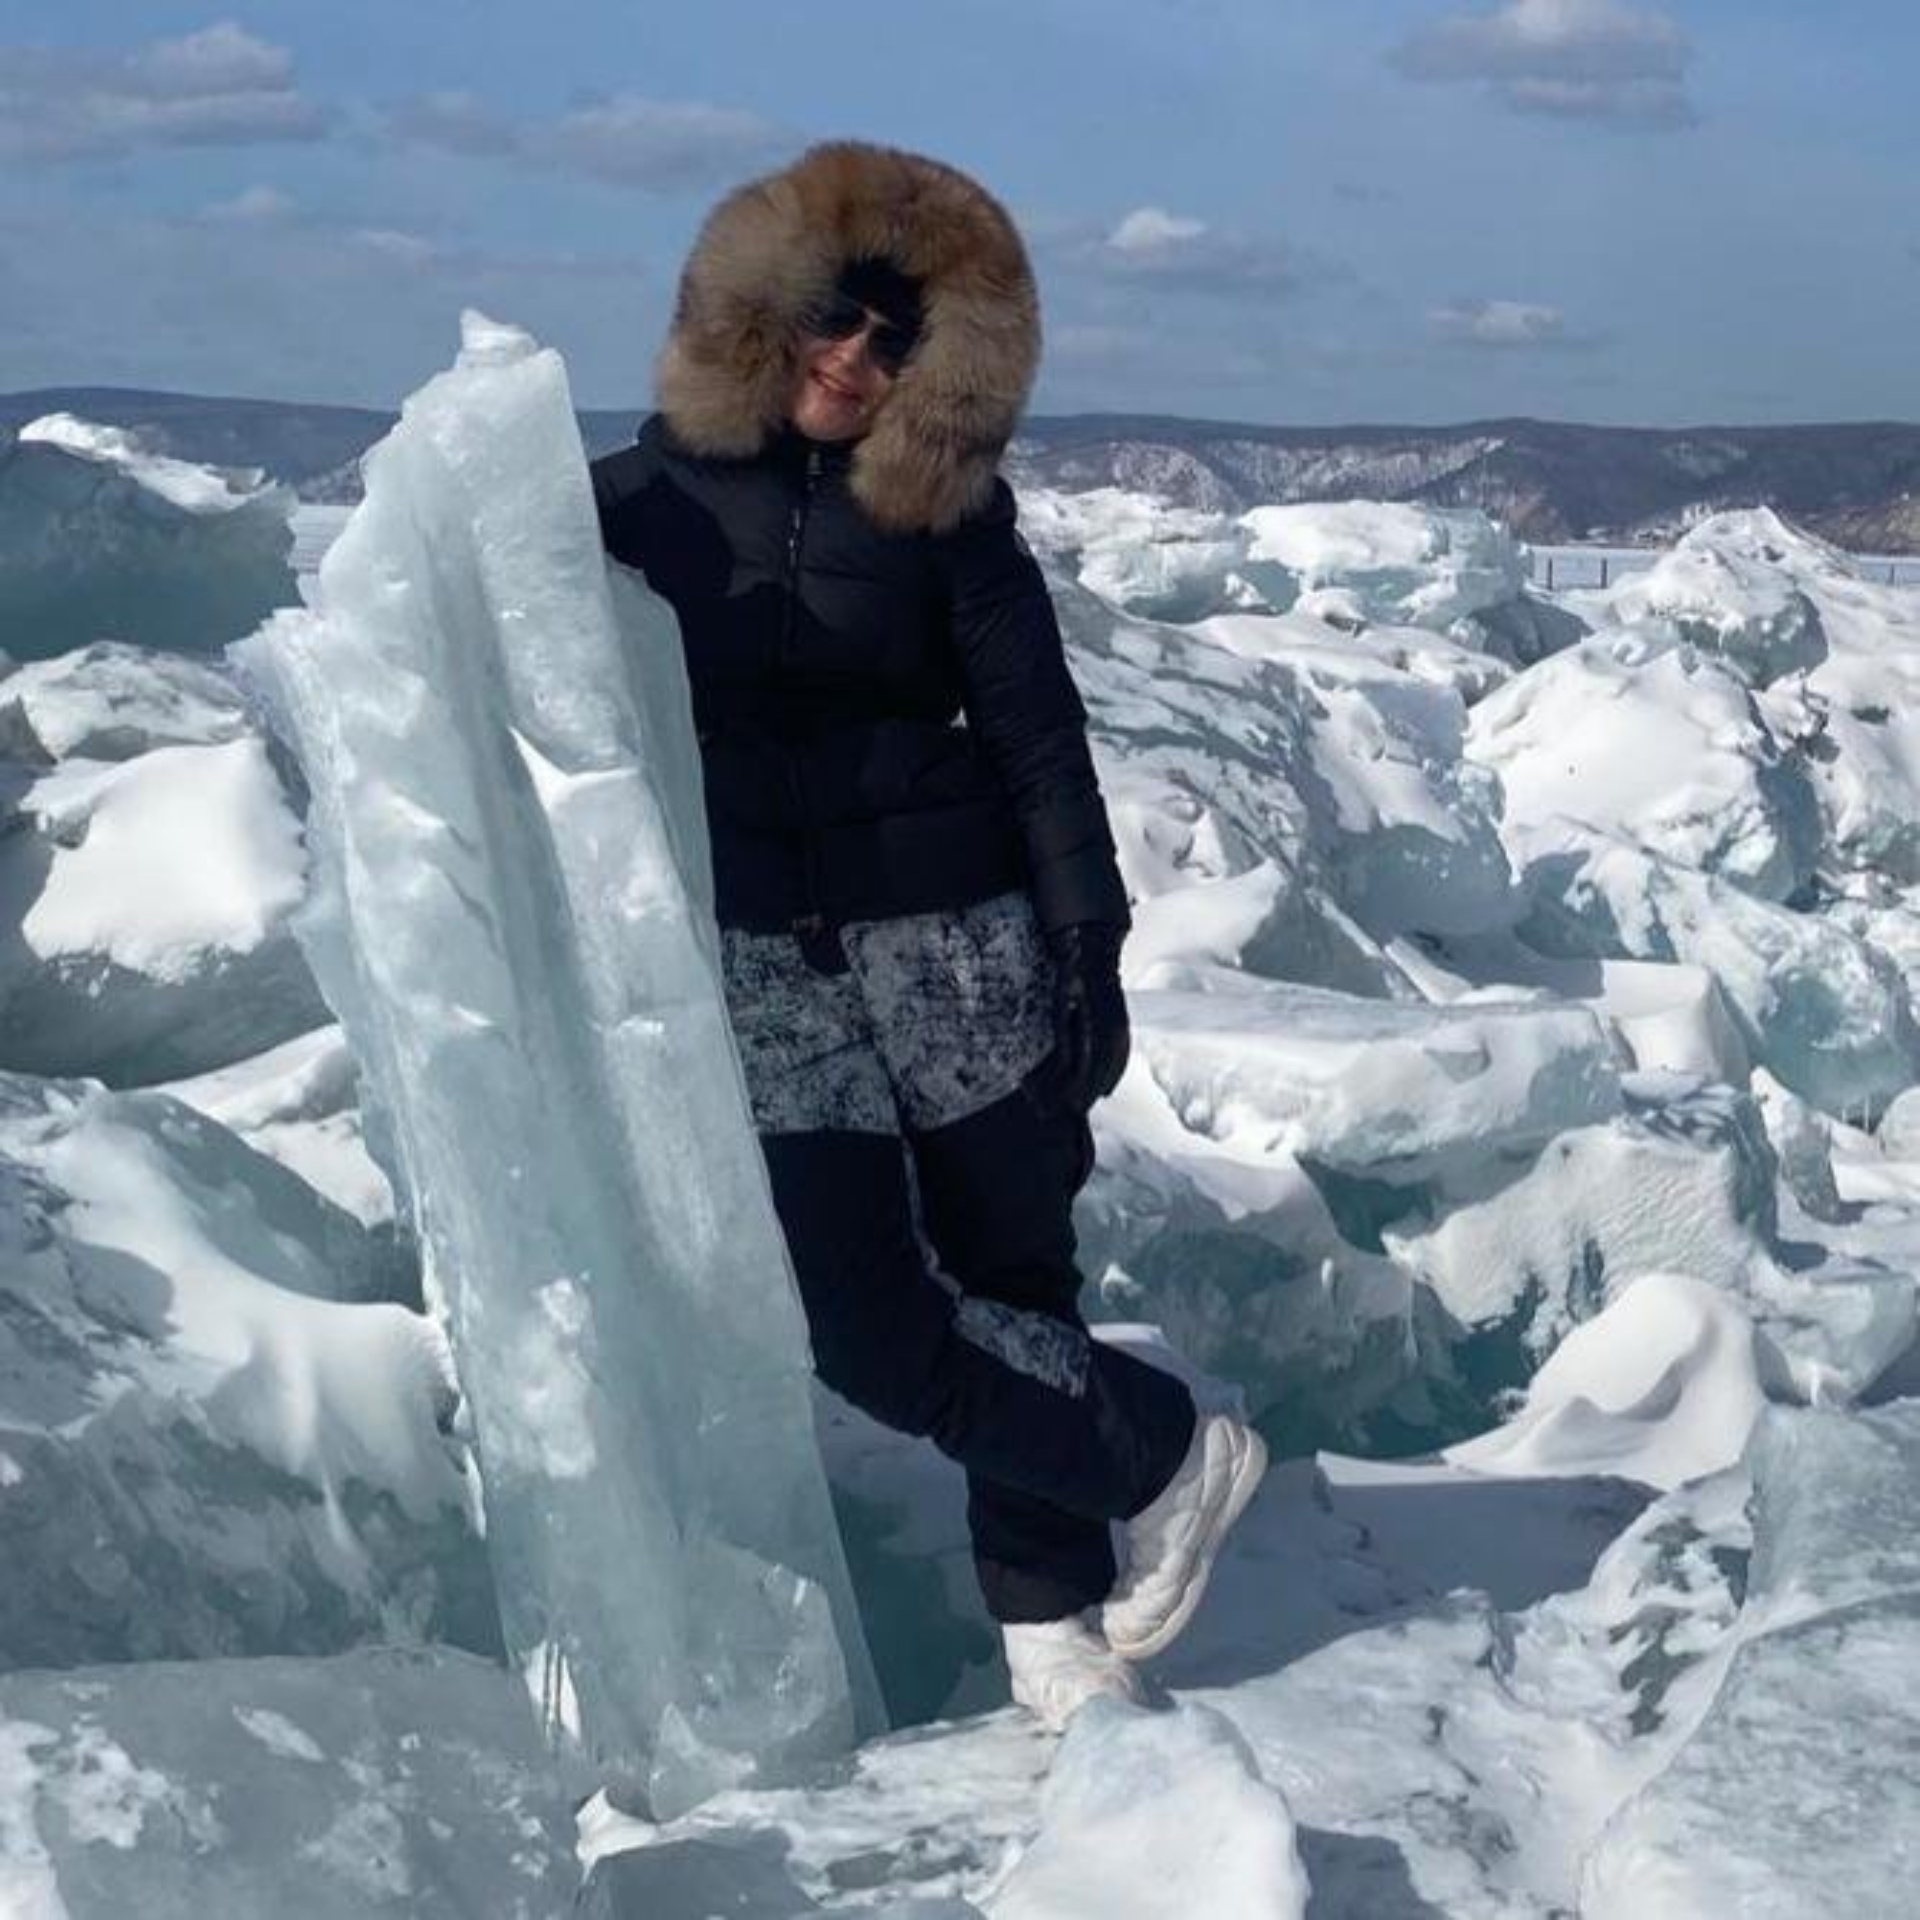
pixel 1818 1718
pixel 511 922
pixel 380 1782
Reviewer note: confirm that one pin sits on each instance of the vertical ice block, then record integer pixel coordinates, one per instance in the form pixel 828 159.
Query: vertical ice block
pixel 512 920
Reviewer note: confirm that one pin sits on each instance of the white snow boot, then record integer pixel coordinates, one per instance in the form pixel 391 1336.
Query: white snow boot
pixel 1057 1666
pixel 1173 1542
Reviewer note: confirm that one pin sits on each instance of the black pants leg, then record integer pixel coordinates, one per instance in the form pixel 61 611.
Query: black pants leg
pixel 996 1194
pixel 1070 1434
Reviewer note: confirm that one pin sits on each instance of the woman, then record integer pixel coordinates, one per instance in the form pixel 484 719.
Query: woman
pixel 920 910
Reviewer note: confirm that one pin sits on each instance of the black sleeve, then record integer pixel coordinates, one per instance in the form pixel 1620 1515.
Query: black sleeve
pixel 620 482
pixel 1026 715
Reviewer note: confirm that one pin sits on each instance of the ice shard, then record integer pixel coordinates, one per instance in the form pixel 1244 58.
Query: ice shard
pixel 512 920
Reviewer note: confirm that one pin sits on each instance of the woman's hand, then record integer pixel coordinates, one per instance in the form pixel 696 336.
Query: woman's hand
pixel 1091 1037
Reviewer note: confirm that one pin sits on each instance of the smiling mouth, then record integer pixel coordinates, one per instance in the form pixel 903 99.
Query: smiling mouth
pixel 836 390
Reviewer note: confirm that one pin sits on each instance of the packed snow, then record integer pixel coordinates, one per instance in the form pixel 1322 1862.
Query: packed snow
pixel 1523 1127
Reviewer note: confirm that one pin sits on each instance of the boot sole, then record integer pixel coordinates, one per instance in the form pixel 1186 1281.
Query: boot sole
pixel 1242 1483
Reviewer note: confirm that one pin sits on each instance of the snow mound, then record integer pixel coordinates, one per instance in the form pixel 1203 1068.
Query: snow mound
pixel 1663 1386
pixel 1146 1814
pixel 299 1104
pixel 216 1436
pixel 147 898
pixel 99 540
pixel 1660 744
pixel 1738 584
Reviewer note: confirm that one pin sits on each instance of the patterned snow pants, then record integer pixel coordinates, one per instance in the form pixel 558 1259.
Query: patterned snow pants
pixel 924 1177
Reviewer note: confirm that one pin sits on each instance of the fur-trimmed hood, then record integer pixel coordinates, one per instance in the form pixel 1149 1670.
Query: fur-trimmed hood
pixel 772 250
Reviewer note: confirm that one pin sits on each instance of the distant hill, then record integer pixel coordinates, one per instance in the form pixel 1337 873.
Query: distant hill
pixel 1858 485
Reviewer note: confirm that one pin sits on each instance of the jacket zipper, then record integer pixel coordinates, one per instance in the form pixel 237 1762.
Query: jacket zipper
pixel 790 578
pixel 812 921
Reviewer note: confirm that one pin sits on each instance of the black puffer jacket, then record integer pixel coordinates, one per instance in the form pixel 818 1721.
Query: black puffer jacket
pixel 886 718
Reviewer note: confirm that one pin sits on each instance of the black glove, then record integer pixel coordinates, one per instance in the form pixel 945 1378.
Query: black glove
pixel 1091 1039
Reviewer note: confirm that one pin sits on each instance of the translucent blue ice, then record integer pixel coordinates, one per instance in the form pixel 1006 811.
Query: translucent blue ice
pixel 512 921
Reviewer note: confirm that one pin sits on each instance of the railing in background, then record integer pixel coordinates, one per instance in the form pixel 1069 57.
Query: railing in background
pixel 1563 569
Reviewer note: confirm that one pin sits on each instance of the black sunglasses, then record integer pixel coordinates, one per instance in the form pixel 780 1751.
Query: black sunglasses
pixel 840 317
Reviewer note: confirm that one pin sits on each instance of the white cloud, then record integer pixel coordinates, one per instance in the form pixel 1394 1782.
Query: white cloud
pixel 219 87
pixel 1586 59
pixel 661 144
pixel 390 243
pixel 257 206
pixel 455 122
pixel 222 59
pixel 1147 229
pixel 1502 323
pixel 1180 254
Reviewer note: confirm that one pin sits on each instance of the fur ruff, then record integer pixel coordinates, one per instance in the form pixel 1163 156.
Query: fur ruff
pixel 773 249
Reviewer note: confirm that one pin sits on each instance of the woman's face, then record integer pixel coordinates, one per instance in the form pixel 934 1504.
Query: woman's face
pixel 838 385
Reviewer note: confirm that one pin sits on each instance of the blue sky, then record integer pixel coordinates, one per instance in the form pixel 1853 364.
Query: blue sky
pixel 1323 211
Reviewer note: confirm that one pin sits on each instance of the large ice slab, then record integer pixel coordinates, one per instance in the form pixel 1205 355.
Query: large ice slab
pixel 1262 1139
pixel 512 925
pixel 1235 1254
pixel 216 1437
pixel 1145 557
pixel 1826 1013
pixel 1406 825
pixel 1799 1790
pixel 100 539
pixel 1358 1085
pixel 1682 1179
pixel 383 1782
pixel 1388 562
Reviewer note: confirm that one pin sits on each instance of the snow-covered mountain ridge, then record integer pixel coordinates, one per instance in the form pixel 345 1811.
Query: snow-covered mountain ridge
pixel 1549 481
pixel 1857 484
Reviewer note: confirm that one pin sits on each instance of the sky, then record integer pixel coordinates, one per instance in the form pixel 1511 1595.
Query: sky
pixel 1286 211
